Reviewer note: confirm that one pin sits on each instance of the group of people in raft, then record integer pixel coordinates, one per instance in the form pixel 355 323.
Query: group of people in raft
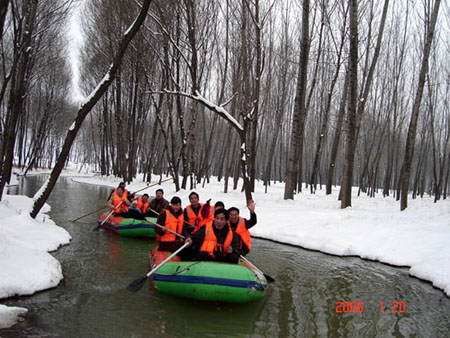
pixel 213 232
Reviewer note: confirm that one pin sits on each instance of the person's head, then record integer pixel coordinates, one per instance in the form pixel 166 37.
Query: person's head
pixel 122 185
pixel 234 214
pixel 194 198
pixel 219 205
pixel 175 203
pixel 145 198
pixel 159 194
pixel 119 191
pixel 220 218
pixel 134 204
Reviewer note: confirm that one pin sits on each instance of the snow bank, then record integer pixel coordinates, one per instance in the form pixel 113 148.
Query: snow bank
pixel 25 264
pixel 10 315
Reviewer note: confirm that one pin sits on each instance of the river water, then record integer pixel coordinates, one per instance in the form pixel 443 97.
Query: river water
pixel 310 289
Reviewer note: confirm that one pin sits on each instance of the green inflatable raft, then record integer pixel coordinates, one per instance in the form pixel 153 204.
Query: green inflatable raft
pixel 210 281
pixel 128 226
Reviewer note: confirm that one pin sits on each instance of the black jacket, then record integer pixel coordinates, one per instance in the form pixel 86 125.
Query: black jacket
pixel 199 236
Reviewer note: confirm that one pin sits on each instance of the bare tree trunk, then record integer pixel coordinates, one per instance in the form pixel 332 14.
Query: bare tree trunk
pixel 324 128
pixel 437 193
pixel 256 96
pixel 17 95
pixel 368 83
pixel 281 100
pixel 347 180
pixel 3 10
pixel 410 140
pixel 299 108
pixel 87 107
pixel 193 69
pixel 392 143
pixel 121 140
pixel 337 135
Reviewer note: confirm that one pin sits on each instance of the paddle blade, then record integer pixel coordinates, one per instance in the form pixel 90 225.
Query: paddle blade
pixel 97 228
pixel 269 279
pixel 137 284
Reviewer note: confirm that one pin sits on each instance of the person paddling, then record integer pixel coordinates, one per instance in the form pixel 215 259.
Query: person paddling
pixel 125 191
pixel 172 218
pixel 241 225
pixel 118 202
pixel 158 204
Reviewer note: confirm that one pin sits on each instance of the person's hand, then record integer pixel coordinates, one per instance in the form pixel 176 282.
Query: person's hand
pixel 229 249
pixel 188 240
pixel 251 206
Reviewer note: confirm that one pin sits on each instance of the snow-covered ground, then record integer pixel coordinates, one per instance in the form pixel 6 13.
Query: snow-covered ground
pixel 25 263
pixel 372 228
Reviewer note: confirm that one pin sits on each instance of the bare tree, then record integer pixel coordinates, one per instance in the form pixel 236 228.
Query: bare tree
pixel 3 10
pixel 18 89
pixel 410 140
pixel 300 106
pixel 87 107
pixel 347 180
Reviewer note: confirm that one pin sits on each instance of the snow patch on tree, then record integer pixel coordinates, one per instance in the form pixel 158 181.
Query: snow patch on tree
pixel 218 109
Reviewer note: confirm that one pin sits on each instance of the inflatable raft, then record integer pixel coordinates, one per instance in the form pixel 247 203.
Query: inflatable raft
pixel 128 226
pixel 211 281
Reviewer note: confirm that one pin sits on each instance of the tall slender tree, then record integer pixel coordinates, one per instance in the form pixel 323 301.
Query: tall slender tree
pixel 430 24
pixel 299 108
pixel 347 180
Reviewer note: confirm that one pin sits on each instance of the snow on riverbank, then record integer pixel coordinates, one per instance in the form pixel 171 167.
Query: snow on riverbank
pixel 373 228
pixel 25 264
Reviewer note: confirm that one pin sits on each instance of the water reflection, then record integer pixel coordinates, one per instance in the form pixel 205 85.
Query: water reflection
pixel 92 300
pixel 303 300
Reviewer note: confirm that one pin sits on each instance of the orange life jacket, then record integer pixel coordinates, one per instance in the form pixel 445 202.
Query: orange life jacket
pixel 201 220
pixel 242 231
pixel 141 205
pixel 116 201
pixel 173 223
pixel 210 216
pixel 210 242
pixel 194 219
pixel 125 192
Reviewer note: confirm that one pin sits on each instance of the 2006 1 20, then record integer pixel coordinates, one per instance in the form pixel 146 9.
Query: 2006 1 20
pixel 346 307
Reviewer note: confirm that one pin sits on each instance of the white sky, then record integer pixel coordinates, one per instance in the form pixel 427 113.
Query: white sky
pixel 75 45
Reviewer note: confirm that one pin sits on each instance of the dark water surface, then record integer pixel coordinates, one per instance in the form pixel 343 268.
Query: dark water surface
pixel 92 300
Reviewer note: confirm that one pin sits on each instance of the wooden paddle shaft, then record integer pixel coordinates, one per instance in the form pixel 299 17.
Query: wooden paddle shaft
pixel 118 205
pixel 167 259
pixel 166 229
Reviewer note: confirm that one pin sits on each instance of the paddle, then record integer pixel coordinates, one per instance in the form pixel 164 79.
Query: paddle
pixel 166 229
pixel 269 279
pixel 151 185
pixel 93 212
pixel 97 228
pixel 137 284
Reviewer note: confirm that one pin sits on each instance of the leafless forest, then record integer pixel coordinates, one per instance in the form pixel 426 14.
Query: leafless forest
pixel 311 93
